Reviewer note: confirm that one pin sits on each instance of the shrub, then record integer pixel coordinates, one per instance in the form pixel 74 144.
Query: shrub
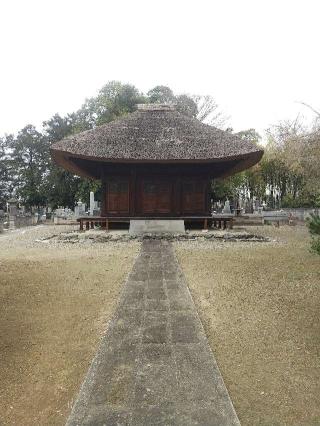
pixel 313 224
pixel 315 244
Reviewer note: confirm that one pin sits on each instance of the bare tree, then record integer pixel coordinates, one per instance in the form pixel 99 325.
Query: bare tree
pixel 316 122
pixel 209 111
pixel 311 107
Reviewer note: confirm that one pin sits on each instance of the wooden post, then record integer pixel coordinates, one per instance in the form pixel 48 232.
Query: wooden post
pixel 92 225
pixel 205 225
pixel 107 225
pixel 81 225
pixel 87 225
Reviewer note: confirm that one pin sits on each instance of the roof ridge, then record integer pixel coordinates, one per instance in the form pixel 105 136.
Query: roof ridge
pixel 156 107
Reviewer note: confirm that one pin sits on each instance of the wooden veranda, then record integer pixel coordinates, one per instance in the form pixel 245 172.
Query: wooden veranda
pixel 217 221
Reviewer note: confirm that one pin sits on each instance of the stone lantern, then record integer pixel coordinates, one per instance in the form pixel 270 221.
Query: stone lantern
pixel 12 212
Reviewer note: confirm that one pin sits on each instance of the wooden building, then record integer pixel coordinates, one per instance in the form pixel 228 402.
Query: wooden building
pixel 155 162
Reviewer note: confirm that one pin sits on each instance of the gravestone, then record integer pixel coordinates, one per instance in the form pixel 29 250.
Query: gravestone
pixel 92 203
pixel 226 209
pixel 80 209
pixel 257 208
pixel 63 215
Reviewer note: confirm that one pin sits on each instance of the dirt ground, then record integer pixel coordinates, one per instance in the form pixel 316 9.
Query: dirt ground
pixel 259 303
pixel 55 301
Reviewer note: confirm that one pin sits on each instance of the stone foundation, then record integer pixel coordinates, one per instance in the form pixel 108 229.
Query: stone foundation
pixel 149 226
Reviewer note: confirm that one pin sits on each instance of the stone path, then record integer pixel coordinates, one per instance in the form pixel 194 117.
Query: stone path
pixel 154 366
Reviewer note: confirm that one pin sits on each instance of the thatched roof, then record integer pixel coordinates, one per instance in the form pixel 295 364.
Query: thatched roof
pixel 155 133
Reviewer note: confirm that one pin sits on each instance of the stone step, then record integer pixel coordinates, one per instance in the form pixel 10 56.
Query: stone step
pixel 157 226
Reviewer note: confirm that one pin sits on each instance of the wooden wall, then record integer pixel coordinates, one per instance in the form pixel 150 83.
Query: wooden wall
pixel 155 191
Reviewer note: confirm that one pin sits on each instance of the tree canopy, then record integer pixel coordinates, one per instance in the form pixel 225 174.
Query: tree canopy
pixel 288 175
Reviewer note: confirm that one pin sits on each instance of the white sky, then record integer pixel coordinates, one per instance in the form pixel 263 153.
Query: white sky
pixel 258 58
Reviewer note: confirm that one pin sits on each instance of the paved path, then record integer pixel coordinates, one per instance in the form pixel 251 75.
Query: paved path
pixel 154 366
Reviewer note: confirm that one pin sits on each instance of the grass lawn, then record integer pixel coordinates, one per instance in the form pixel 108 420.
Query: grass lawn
pixel 259 304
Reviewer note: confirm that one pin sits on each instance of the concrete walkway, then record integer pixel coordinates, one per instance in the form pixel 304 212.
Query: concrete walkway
pixel 154 365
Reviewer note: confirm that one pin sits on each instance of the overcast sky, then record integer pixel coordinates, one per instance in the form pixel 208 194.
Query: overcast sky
pixel 258 59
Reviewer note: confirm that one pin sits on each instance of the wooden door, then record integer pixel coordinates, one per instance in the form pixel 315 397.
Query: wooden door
pixel 164 197
pixel 156 196
pixel 193 197
pixel 148 197
pixel 118 197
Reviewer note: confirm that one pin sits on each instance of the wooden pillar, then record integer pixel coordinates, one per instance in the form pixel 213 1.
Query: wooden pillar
pixel 133 191
pixel 103 192
pixel 178 196
pixel 104 198
pixel 208 190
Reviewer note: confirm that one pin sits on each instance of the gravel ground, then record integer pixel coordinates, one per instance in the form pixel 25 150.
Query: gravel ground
pixel 55 301
pixel 259 303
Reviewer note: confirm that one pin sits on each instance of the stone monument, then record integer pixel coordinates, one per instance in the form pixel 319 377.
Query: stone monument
pixel 80 209
pixel 92 203
pixel 226 208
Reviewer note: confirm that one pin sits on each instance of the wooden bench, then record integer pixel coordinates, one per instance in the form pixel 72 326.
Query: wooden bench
pixel 216 221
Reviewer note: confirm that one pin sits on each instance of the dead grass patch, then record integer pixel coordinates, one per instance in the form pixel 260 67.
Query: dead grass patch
pixel 54 307
pixel 259 304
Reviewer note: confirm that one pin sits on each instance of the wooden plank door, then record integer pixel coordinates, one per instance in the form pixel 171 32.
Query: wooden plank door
pixel 156 196
pixel 118 197
pixel 164 197
pixel 148 194
pixel 193 197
